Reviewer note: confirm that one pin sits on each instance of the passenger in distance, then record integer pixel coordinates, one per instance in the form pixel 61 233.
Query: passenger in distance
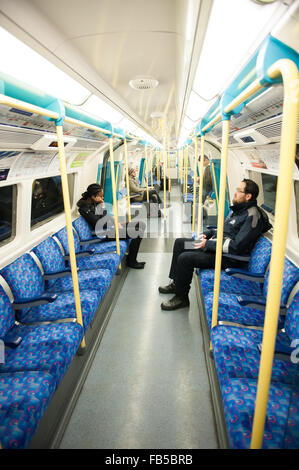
pixel 141 194
pixel 92 207
pixel 245 223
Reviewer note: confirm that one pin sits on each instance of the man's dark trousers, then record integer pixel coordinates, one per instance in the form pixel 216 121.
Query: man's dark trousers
pixel 185 259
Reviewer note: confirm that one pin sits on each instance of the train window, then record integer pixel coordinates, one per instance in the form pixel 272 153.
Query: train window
pixel 296 188
pixel 8 198
pixel 269 190
pixel 47 200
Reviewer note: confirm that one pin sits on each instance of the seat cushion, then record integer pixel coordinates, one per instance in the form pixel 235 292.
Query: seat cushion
pixel 63 307
pixel 24 397
pixel 230 310
pixel 108 261
pixel 234 360
pixel 282 424
pixel 105 247
pixel 95 279
pixel 228 284
pixel 49 348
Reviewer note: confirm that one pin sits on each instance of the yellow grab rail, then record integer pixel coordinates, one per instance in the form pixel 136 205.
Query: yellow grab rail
pixel 215 183
pixel 158 159
pixel 220 220
pixel 146 175
pixel 69 227
pixel 288 70
pixel 199 209
pixel 127 179
pixel 8 101
pixel 164 173
pixel 115 211
pixel 194 182
pixel 186 171
pixel 151 162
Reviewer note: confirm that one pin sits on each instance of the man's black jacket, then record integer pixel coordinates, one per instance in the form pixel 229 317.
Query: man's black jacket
pixel 242 227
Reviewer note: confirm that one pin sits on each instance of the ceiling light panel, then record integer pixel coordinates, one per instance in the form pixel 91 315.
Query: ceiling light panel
pixel 102 110
pixel 19 60
pixel 233 29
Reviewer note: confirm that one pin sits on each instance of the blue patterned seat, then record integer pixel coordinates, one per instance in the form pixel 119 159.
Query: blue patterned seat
pixel 49 348
pixel 282 419
pixel 24 397
pixel 85 234
pixel 258 263
pixel 231 310
pixel 27 284
pixel 236 351
pixel 109 261
pixel 53 261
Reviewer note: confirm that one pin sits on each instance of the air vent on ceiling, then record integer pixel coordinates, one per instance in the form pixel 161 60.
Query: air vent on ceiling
pixel 17 138
pixel 88 144
pixel 143 83
pixel 273 130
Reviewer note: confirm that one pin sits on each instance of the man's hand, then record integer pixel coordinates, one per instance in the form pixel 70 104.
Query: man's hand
pixel 199 245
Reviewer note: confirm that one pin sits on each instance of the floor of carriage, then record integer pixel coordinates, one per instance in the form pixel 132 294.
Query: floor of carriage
pixel 148 386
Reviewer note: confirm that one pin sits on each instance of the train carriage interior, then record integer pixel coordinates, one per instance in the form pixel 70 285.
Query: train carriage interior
pixel 190 99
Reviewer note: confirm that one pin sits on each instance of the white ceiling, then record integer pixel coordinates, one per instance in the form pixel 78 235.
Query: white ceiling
pixel 106 43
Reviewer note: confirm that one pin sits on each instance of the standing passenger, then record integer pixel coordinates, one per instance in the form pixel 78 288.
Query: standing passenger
pixel 91 206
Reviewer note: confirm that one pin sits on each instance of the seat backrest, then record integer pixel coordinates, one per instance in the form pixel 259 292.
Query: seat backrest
pixel 83 229
pixel 25 279
pixel 292 319
pixel 260 256
pixel 62 237
pixel 289 279
pixel 7 316
pixel 49 254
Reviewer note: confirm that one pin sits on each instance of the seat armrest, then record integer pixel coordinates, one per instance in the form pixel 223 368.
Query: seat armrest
pixel 243 259
pixel 58 275
pixel 12 340
pixel 43 299
pixel 243 274
pixel 281 351
pixel 258 302
pixel 91 241
pixel 82 254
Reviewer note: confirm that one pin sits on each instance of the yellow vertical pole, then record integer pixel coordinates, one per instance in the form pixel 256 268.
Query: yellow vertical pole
pixel 146 173
pixel 151 162
pixel 194 182
pixel 199 211
pixel 116 178
pixel 168 164
pixel 127 179
pixel 164 172
pixel 220 220
pixel 186 171
pixel 289 73
pixel 69 227
pixel 215 183
pixel 158 167
pixel 114 194
pixel 181 163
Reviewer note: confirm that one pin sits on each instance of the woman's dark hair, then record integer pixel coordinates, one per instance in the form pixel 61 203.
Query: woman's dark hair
pixel 92 190
pixel 251 188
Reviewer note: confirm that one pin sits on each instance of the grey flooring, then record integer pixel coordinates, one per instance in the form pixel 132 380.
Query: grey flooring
pixel 148 386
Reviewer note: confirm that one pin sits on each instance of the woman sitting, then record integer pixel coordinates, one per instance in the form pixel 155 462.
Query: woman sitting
pixel 139 194
pixel 91 206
